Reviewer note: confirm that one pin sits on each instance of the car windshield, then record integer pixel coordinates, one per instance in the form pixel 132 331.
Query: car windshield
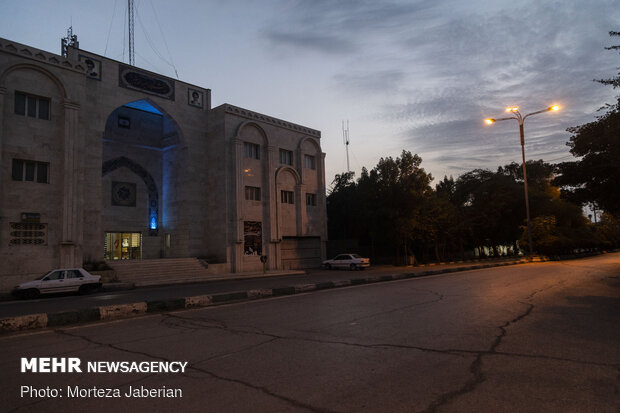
pixel 356 256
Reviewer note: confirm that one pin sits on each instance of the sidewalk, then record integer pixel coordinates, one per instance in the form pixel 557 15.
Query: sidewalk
pixel 262 286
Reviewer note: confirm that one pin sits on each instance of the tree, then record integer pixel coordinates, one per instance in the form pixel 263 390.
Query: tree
pixel 594 178
pixel 384 205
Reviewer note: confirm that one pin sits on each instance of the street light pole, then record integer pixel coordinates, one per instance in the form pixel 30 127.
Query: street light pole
pixel 517 116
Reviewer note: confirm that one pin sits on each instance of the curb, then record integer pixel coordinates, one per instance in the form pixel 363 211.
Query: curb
pixel 121 311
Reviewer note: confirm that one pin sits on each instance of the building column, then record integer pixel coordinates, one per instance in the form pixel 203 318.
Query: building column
pixel 3 96
pixel 73 194
pixel 270 221
pixel 322 201
pixel 237 258
pixel 301 217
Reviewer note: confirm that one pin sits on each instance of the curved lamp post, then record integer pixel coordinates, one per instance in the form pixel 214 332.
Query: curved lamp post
pixel 519 118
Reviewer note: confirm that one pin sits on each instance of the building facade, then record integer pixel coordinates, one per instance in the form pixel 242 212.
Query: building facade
pixel 104 161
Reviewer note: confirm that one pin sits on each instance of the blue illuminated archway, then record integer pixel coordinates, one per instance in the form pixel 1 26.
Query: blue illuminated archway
pixel 122 161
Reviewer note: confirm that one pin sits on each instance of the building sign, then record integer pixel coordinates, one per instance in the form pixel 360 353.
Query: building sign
pixel 30 217
pixel 252 237
pixel 130 77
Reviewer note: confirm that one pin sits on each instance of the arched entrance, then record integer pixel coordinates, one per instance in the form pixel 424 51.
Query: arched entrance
pixel 139 163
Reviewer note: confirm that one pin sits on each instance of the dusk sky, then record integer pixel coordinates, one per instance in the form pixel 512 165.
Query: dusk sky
pixel 414 75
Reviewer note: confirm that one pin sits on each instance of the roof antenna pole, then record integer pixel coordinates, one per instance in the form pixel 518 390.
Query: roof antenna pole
pixel 132 59
pixel 346 141
pixel 70 40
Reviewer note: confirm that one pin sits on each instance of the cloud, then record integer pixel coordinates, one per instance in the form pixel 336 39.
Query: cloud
pixel 311 41
pixel 431 71
pixel 370 82
pixel 338 26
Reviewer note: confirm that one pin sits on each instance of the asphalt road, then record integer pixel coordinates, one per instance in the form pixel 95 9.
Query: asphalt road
pixel 66 302
pixel 530 338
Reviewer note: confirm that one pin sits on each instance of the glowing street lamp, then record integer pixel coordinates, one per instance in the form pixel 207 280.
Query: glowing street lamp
pixel 519 118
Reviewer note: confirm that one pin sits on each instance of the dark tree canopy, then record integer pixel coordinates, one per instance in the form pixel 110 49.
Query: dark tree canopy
pixel 595 178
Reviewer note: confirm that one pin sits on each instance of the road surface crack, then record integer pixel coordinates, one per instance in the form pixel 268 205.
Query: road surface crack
pixel 475 367
pixel 193 367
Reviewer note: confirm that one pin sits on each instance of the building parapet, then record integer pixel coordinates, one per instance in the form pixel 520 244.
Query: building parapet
pixel 248 114
pixel 38 55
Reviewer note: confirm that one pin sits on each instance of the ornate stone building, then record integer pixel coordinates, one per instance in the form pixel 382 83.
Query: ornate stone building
pixel 101 160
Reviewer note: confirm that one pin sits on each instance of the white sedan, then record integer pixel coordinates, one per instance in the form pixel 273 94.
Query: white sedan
pixel 59 281
pixel 350 261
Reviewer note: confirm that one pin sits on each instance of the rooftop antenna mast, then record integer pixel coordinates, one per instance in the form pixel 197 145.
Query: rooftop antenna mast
pixel 70 40
pixel 132 59
pixel 346 141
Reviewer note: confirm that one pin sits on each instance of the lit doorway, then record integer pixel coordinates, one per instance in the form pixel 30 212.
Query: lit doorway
pixel 123 246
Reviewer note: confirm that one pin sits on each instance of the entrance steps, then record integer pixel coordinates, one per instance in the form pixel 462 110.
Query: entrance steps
pixel 160 271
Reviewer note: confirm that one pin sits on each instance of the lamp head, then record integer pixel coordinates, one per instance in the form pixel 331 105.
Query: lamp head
pixel 489 121
pixel 553 108
pixel 512 109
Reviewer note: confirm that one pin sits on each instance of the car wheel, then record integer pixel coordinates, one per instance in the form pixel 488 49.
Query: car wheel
pixel 353 267
pixel 328 267
pixel 31 293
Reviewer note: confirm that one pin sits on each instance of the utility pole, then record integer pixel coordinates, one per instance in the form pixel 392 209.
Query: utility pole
pixel 132 59
pixel 346 141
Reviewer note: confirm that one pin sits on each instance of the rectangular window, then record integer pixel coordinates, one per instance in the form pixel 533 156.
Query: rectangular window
pixel 20 104
pixel 32 106
pixel 286 157
pixel 287 197
pixel 124 122
pixel 253 237
pixel 252 193
pixel 30 167
pixel 311 199
pixel 310 161
pixel 31 171
pixel 122 246
pixel 251 150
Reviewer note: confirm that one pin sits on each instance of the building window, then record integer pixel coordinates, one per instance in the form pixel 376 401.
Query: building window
pixel 252 238
pixel 286 157
pixel 311 199
pixel 310 161
pixel 24 233
pixel 122 246
pixel 32 171
pixel 252 150
pixel 124 122
pixel 287 197
pixel 252 193
pixel 32 106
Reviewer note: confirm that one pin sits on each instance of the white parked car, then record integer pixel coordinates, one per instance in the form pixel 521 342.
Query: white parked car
pixel 350 261
pixel 59 281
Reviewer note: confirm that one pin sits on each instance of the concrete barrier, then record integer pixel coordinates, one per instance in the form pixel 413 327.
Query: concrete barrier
pixel 118 311
pixel 24 322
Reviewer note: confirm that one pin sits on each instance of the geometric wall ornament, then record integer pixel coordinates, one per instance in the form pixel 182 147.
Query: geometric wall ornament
pixel 151 187
pixel 123 194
